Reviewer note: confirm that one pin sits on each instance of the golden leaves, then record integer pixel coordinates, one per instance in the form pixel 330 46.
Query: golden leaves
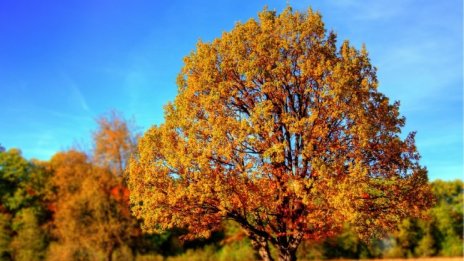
pixel 275 128
pixel 113 142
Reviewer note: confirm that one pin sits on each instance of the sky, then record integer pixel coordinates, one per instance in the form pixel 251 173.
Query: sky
pixel 65 63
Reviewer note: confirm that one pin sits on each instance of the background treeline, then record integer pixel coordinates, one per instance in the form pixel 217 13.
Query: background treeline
pixel 76 207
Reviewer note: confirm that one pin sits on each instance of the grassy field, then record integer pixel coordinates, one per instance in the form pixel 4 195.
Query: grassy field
pixel 421 259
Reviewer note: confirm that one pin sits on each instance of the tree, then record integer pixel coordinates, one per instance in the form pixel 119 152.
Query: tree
pixel 89 218
pixel 280 131
pixel 448 217
pixel 441 233
pixel 5 236
pixel 114 142
pixel 15 172
pixel 405 239
pixel 23 212
pixel 30 241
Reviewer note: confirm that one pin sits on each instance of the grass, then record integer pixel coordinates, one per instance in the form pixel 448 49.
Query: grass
pixel 421 259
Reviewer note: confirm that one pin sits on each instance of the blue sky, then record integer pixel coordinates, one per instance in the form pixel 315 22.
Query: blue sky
pixel 64 63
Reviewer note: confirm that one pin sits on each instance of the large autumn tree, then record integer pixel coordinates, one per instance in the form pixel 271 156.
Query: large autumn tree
pixel 278 129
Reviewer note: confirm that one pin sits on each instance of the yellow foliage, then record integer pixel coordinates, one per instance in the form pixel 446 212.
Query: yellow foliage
pixel 275 128
pixel 89 217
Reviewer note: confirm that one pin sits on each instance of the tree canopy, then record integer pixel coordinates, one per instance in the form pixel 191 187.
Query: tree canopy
pixel 280 130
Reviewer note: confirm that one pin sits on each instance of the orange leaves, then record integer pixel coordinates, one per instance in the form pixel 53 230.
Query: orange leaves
pixel 120 193
pixel 113 142
pixel 365 196
pixel 89 204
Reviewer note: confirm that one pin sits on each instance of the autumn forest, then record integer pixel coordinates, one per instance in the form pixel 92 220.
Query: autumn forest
pixel 278 146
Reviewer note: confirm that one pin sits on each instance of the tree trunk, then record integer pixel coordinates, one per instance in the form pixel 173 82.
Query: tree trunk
pixel 261 246
pixel 287 250
pixel 109 254
pixel 287 254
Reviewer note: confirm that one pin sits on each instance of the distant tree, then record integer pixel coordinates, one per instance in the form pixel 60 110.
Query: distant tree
pixel 276 129
pixel 406 239
pixel 345 245
pixel 448 217
pixel 23 211
pixel 69 169
pixel 30 242
pixel 114 142
pixel 426 246
pixel 6 234
pixel 89 217
pixel 440 234
pixel 14 175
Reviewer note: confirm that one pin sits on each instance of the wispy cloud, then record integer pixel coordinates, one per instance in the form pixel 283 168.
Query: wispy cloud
pixel 76 96
pixel 80 99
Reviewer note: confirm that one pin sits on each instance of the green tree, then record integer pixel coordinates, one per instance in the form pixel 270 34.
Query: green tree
pixel 406 239
pixel 438 234
pixel 5 236
pixel 14 174
pixel 448 216
pixel 30 241
pixel 426 247
pixel 23 208
pixel 279 130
